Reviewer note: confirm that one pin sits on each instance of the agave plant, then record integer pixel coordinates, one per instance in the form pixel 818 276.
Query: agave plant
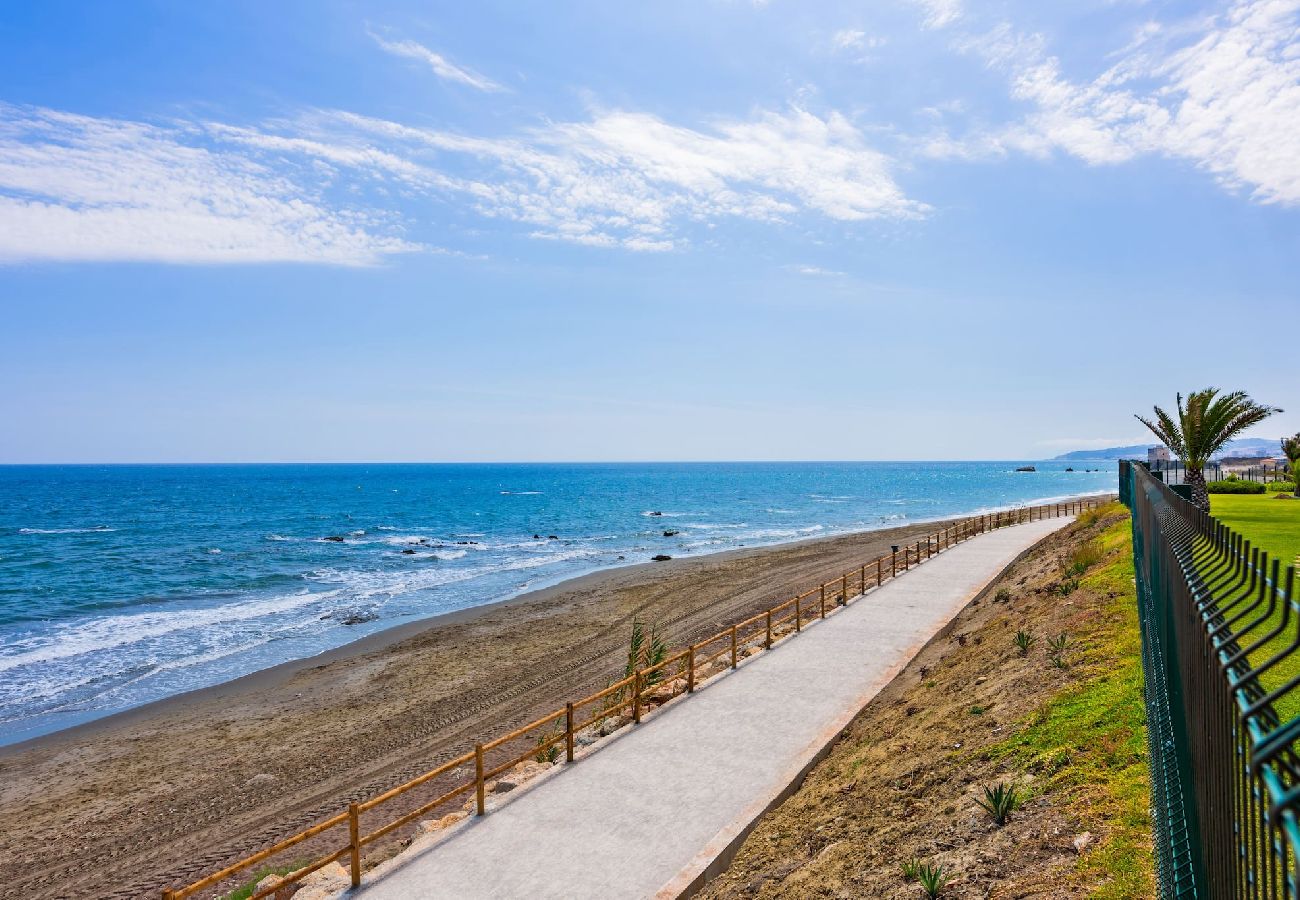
pixel 1203 426
pixel 1291 449
pixel 1024 640
pixel 1000 802
pixel 932 878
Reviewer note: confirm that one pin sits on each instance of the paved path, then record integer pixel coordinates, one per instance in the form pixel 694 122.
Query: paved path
pixel 647 814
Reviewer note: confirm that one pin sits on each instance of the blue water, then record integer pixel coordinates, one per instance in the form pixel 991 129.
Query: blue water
pixel 124 584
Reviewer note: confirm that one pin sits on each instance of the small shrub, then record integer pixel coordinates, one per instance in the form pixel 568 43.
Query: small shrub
pixel 1000 802
pixel 1059 643
pixel 1058 661
pixel 977 710
pixel 910 867
pixel 1002 596
pixel 1231 485
pixel 548 752
pixel 1092 516
pixel 1067 585
pixel 1085 557
pixel 1024 640
pixel 932 878
pixel 646 649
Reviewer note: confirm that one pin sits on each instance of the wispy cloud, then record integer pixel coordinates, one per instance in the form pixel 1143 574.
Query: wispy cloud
pixel 80 188
pixel 1223 93
pixel 633 180
pixel 939 13
pixel 329 186
pixel 814 271
pixel 441 66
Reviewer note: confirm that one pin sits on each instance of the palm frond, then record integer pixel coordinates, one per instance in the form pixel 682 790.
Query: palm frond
pixel 1206 421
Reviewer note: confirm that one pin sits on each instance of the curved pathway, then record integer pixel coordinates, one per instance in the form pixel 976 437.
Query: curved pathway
pixel 660 807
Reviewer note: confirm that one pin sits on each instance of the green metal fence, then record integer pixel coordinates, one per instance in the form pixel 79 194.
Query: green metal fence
pixel 1220 642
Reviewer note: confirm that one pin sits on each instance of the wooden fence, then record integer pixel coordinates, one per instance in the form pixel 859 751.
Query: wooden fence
pixel 554 734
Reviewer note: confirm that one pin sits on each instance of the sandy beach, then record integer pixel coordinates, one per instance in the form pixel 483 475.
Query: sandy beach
pixel 167 792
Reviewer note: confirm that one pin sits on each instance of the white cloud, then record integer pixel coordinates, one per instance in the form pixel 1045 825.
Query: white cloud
pixel 1225 97
pixel 80 188
pixel 814 271
pixel 634 180
pixel 940 13
pixel 848 39
pixel 441 66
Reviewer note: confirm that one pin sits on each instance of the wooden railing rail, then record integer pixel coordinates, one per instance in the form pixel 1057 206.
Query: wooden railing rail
pixel 633 695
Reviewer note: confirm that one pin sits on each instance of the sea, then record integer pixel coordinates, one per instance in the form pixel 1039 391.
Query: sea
pixel 120 585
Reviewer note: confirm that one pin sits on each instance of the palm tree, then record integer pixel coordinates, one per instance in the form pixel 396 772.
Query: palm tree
pixel 1203 426
pixel 1291 447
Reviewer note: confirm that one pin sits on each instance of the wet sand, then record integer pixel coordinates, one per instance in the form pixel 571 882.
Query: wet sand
pixel 168 792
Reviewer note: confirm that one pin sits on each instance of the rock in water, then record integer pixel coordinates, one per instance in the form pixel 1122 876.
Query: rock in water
pixel 661 557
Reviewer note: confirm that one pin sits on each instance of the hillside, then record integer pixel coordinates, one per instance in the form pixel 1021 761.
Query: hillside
pixel 972 711
pixel 1237 447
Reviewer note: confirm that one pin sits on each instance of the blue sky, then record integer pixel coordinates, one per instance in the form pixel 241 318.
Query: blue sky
pixel 711 229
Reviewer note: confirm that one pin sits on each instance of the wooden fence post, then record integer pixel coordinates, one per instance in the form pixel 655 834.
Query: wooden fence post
pixel 734 660
pixel 768 644
pixel 568 732
pixel 844 594
pixel 478 780
pixel 636 696
pixel 864 579
pixel 893 564
pixel 690 669
pixel 798 611
pixel 880 565
pixel 354 836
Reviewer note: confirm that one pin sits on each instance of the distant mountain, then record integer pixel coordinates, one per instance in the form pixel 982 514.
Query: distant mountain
pixel 1238 447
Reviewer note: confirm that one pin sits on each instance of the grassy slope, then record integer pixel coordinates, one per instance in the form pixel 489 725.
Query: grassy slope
pixel 969 712
pixel 1090 739
pixel 1268 523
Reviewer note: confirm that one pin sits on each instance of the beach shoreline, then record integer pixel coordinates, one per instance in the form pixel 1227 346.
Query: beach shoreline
pixel 153 794
pixel 385 637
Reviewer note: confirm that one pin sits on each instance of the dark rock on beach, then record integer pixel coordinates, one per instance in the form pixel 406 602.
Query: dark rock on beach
pixel 661 557
pixel 358 618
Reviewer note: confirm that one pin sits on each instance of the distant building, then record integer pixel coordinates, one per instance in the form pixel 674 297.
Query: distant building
pixel 1157 455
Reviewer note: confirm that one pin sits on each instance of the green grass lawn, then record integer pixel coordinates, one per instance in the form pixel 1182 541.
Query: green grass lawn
pixel 1268 523
pixel 1274 526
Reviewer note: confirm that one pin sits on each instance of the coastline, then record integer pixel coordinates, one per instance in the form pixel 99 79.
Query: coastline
pixel 123 804
pixel 379 641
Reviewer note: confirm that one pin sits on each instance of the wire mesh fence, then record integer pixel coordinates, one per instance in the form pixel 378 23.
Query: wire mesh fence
pixel 1220 635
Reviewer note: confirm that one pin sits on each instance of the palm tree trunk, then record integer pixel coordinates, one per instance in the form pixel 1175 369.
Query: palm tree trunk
pixel 1200 495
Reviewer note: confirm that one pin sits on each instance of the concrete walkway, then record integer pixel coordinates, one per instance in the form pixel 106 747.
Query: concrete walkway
pixel 646 815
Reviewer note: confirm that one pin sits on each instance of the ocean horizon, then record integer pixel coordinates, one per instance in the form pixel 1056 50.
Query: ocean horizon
pixel 123 584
